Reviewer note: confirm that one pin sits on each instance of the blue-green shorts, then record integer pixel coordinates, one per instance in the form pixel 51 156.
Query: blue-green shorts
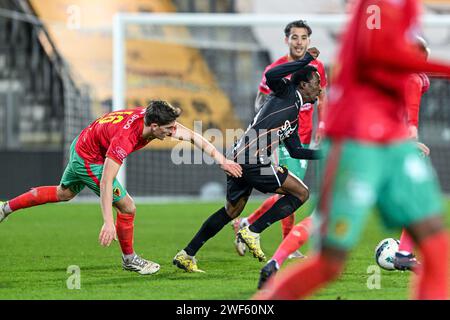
pixel 395 178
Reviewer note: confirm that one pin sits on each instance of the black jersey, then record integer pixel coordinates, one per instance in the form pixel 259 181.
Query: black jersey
pixel 276 121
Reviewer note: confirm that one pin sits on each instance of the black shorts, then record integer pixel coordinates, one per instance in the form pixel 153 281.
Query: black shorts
pixel 265 179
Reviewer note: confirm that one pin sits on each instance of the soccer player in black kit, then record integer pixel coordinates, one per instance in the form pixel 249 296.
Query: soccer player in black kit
pixel 276 121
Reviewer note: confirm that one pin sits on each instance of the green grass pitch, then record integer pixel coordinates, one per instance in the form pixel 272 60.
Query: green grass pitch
pixel 39 244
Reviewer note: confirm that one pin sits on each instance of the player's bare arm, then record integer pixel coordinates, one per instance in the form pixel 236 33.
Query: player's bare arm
pixel 108 231
pixel 230 167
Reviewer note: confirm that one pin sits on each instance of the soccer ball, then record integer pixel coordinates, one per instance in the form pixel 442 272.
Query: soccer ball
pixel 385 253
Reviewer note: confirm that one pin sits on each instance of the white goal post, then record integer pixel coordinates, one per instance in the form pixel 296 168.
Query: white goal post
pixel 122 20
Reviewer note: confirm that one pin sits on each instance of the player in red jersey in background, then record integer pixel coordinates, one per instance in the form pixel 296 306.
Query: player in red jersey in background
pixel 298 39
pixel 371 160
pixel 416 86
pixel 95 159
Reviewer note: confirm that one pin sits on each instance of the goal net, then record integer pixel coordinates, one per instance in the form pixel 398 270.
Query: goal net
pixel 210 65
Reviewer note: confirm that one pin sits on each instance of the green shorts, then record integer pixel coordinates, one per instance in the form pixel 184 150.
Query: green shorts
pixel 295 166
pixel 358 176
pixel 79 174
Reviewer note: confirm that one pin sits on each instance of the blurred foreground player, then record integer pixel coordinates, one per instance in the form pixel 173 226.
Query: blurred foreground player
pixel 416 86
pixel 370 158
pixel 96 156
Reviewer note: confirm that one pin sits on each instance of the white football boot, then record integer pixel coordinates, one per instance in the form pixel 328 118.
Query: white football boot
pixel 140 265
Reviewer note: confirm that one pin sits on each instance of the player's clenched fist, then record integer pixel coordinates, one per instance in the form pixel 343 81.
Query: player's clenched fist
pixel 107 234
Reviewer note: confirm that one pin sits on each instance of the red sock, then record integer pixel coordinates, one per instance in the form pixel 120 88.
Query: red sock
pixel 433 277
pixel 301 279
pixel 262 209
pixel 34 197
pixel 298 237
pixel 287 224
pixel 125 232
pixel 406 242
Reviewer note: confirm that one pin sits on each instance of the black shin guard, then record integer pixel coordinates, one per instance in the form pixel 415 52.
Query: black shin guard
pixel 209 229
pixel 284 207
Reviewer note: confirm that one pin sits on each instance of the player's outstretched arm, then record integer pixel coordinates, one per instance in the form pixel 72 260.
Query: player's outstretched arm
pixel 230 167
pixel 108 231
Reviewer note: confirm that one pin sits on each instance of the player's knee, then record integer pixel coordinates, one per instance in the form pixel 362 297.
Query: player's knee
pixel 234 210
pixel 426 228
pixel 130 208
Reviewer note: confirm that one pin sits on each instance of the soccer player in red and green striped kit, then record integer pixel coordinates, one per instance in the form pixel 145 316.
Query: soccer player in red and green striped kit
pixel 96 156
pixel 370 158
